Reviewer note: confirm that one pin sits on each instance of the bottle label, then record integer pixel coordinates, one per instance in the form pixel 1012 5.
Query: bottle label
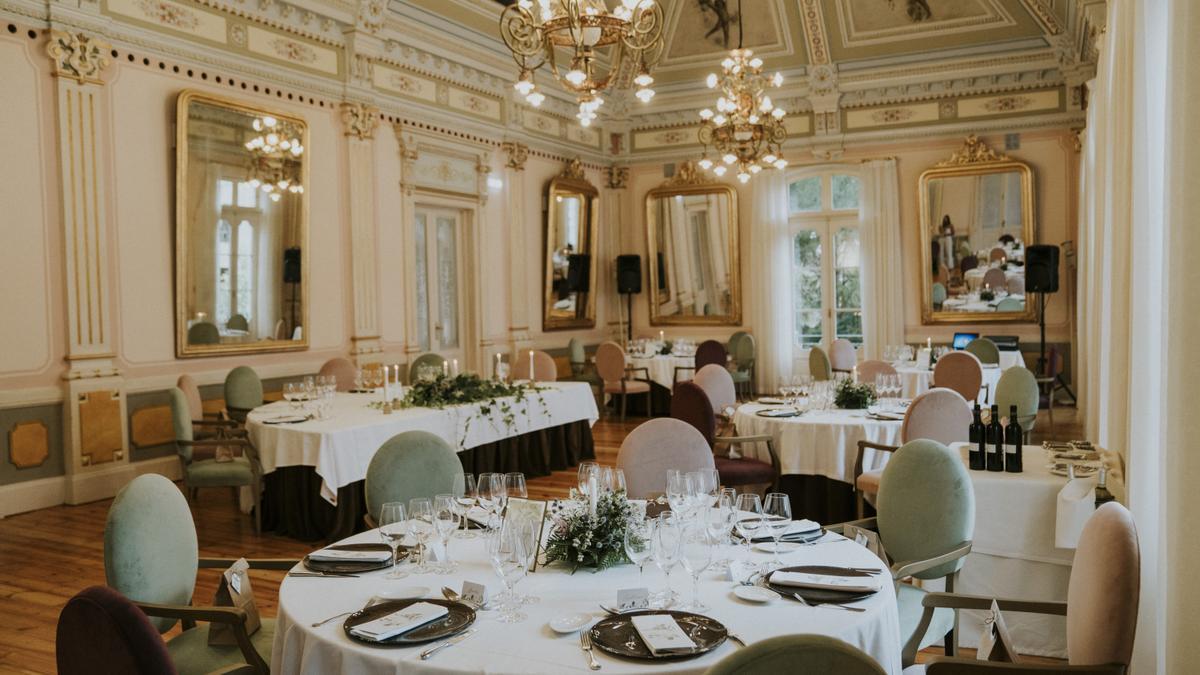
pixel 1010 449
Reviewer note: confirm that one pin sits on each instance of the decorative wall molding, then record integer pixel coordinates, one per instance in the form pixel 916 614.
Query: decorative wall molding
pixel 78 56
pixel 28 444
pixel 618 177
pixel 360 120
pixel 516 153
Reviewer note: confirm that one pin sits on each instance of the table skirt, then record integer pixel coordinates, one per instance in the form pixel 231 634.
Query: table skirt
pixel 292 503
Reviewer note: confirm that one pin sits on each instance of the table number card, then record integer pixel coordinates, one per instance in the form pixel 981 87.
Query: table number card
pixel 633 598
pixel 868 539
pixel 994 642
pixel 474 593
pixel 533 511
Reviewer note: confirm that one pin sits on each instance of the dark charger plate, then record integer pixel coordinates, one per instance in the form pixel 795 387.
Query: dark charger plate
pixel 617 636
pixel 353 567
pixel 459 618
pixel 817 595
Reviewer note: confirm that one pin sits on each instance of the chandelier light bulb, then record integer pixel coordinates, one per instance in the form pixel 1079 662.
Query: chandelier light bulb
pixel 743 177
pixel 592 35
pixel 269 122
pixel 706 114
pixel 274 196
pixel 630 4
pixel 711 81
pixel 756 63
pixel 766 106
pixel 576 76
pixel 754 119
pixel 778 113
pixel 643 79
pixel 754 168
pixel 525 84
pixel 781 163
pixel 705 163
pixel 769 158
pixel 729 158
pixel 719 120
pixel 535 99
pixel 258 124
pixel 585 121
pixel 644 95
pixel 728 63
pixel 719 170
pixel 254 182
pixel 777 79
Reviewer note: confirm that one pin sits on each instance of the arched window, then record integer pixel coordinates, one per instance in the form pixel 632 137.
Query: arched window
pixel 826 262
pixel 237 202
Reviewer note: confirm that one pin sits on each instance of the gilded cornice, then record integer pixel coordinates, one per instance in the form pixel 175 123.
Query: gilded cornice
pixel 78 56
pixel 360 120
pixel 516 153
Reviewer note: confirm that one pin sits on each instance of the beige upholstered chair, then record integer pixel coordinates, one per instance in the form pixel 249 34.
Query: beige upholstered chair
pixel 997 254
pixel 1016 286
pixel 342 370
pixel 204 425
pixel 544 369
pixel 656 446
pixel 717 383
pixel 941 415
pixel 960 371
pixel 842 357
pixel 995 279
pixel 869 370
pixel 1101 606
pixel 818 364
pixel 611 366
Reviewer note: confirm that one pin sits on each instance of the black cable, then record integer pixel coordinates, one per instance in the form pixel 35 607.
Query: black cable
pixel 740 22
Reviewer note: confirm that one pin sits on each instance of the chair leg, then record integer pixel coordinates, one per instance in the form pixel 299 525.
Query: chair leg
pixel 257 508
pixel 624 400
pixel 859 504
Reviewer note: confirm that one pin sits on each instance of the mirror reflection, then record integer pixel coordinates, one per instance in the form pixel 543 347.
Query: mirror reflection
pixel 241 225
pixel 570 243
pixel 692 240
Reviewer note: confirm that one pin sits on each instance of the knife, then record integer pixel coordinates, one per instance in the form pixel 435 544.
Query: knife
pixel 425 655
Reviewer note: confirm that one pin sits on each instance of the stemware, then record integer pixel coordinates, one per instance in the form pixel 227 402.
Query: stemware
pixel 618 480
pixel 393 525
pixel 749 518
pixel 310 387
pixel 586 472
pixel 638 545
pixel 502 548
pixel 695 552
pixel 514 485
pixel 719 521
pixel 777 515
pixel 605 479
pixel 420 526
pixel 679 488
pixel 665 548
pixel 466 494
pixel 445 521
pixel 290 395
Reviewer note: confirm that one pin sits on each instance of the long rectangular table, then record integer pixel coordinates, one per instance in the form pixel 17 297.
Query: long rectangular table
pixel 313 470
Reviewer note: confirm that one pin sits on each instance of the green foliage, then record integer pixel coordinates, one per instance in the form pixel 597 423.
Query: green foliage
pixel 853 396
pixel 580 539
pixel 497 401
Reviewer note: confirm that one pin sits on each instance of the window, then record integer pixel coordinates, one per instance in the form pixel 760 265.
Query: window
pixel 436 234
pixel 237 202
pixel 826 261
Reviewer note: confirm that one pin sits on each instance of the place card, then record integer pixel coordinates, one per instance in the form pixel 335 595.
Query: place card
pixel 662 634
pixel 633 598
pixel 401 621
pixel 474 593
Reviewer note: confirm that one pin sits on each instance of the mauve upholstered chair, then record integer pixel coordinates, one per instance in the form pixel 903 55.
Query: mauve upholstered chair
pixel 718 384
pixel 342 370
pixel 410 464
pixel 941 415
pixel 690 404
pixel 798 654
pixel 818 364
pixel 842 357
pixel 997 254
pixel 243 392
pixel 869 370
pixel 610 364
pixel 1101 606
pixel 985 350
pixel 544 369
pixel 995 279
pixel 656 446
pixel 960 371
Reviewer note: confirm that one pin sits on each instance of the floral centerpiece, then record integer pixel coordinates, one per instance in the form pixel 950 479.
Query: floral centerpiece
pixel 591 532
pixel 497 401
pixel 853 396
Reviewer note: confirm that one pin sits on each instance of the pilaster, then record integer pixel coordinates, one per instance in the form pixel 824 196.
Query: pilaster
pixel 518 250
pixel 361 120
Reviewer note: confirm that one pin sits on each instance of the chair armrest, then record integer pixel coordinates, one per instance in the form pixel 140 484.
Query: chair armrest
pixel 236 669
pixel 958 601
pixel 865 523
pixel 219 423
pixel 235 617
pixel 762 438
pixel 944 665
pixel 858 460
pixel 907 568
pixel 284 564
pixel 219 443
pixel 644 369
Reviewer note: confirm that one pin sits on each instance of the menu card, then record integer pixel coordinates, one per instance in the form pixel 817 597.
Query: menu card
pixel 662 634
pixel 401 621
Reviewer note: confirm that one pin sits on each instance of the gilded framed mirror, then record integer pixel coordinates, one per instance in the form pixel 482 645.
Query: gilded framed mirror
pixel 570 247
pixel 692 241
pixel 977 218
pixel 241 226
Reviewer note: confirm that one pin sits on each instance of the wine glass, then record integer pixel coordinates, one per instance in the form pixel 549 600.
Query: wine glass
pixel 420 526
pixel 618 480
pixel 445 522
pixel 667 533
pixel 587 471
pixel 605 479
pixel 678 489
pixel 466 495
pixel 720 521
pixel 310 387
pixel 393 525
pixel 497 490
pixel 777 514
pixel 708 487
pixel 695 552
pixel 289 394
pixel 358 379
pixel 638 535
pixel 502 544
pixel 514 485
pixel 749 518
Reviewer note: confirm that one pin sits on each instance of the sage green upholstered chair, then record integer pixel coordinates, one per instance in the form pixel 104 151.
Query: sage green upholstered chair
pixel 577 357
pixel 1019 386
pixel 1101 607
pixel 435 361
pixel 985 350
pixel 243 392
pixel 237 322
pixel 151 557
pixel 818 364
pixel 798 654
pixel 215 462
pixel 1010 305
pixel 203 333
pixel 742 350
pixel 938 294
pixel 408 465
pixel 925 521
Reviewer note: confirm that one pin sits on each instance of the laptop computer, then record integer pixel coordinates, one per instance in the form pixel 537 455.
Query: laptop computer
pixel 961 340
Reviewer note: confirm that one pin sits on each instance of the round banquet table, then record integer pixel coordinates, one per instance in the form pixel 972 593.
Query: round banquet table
pixel 974 277
pixel 915 381
pixel 532 647
pixel 661 368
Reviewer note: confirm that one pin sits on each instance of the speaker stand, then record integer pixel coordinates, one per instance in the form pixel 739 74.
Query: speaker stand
pixel 629 318
pixel 1041 367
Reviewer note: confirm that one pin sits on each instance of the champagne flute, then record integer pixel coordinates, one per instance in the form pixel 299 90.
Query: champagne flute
pixel 485 498
pixel 749 518
pixel 695 552
pixel 393 525
pixel 445 522
pixel 667 533
pixel 499 491
pixel 777 513
pixel 466 495
pixel 420 526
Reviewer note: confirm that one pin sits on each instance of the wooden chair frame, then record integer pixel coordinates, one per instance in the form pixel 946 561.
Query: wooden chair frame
pixel 251 454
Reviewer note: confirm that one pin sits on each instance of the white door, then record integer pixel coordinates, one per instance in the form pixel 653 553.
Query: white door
pixel 438 243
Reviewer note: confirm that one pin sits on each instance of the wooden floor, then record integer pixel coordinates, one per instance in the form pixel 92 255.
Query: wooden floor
pixel 49 555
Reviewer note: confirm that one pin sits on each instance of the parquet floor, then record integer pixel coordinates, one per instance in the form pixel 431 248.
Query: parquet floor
pixel 49 555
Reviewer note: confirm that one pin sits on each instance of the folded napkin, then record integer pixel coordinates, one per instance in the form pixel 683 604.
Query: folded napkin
pixel 477 515
pixel 779 412
pixel 768 400
pixel 346 555
pixel 401 621
pixel 662 634
pixel 1075 504
pixel 800 530
pixel 826 582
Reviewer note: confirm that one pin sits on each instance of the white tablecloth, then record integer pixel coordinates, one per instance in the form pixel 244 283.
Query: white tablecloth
pixel 818 443
pixel 531 647
pixel 974 278
pixel 340 447
pixel 915 380
pixel 662 368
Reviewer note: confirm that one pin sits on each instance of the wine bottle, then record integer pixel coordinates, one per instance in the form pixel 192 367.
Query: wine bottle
pixel 1013 437
pixel 977 452
pixel 1102 493
pixel 995 441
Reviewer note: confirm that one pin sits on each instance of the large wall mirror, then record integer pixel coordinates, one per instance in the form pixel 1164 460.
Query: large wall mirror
pixel 241 225
pixel 570 246
pixel 977 218
pixel 692 240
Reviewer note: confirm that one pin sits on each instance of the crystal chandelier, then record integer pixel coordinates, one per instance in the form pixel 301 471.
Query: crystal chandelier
pixel 747 129
pixel 633 28
pixel 274 157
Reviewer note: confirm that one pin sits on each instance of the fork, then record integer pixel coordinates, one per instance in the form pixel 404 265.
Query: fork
pixel 585 642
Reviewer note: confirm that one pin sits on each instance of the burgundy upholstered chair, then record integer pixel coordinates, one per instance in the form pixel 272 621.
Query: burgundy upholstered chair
pixel 342 370
pixel 611 366
pixel 690 404
pixel 100 632
pixel 711 351
pixel 942 415
pixel 544 368
pixel 961 371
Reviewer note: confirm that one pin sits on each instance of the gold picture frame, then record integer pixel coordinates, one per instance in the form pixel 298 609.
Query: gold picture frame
pixel 564 308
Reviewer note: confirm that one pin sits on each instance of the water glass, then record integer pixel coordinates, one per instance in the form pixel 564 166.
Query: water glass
pixel 446 518
pixel 420 527
pixel 586 472
pixel 668 532
pixel 638 535
pixel 679 490
pixel 393 526
pixel 618 481
pixel 505 554
pixel 695 552
pixel 466 496
pixel 777 514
